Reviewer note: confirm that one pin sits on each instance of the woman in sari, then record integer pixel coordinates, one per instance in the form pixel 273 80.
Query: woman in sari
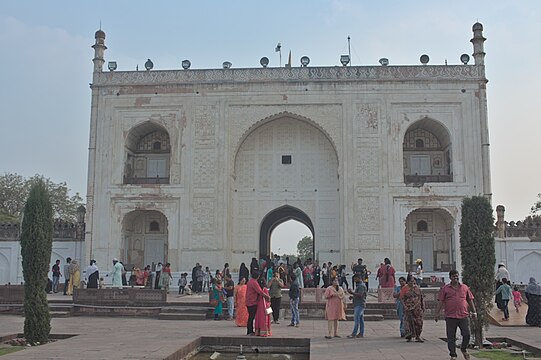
pixel 75 276
pixel 139 277
pixel 414 306
pixel 262 318
pixel 533 294
pixel 217 298
pixel 334 309
pixel 241 318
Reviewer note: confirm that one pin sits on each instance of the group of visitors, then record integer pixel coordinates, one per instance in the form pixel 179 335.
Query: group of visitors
pixel 72 275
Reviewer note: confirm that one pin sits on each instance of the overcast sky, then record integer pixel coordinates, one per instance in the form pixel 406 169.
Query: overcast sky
pixel 46 65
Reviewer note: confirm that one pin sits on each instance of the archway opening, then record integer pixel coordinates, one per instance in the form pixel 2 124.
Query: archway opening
pixel 277 217
pixel 429 237
pixel 144 235
pixel 286 236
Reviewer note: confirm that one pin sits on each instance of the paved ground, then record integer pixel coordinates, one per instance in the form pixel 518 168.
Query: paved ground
pixel 142 338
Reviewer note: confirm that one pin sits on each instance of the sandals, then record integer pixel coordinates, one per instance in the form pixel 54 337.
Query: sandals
pixel 328 337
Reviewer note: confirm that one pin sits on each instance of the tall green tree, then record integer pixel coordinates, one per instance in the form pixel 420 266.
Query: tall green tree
pixel 36 247
pixel 305 248
pixel 478 258
pixel 14 190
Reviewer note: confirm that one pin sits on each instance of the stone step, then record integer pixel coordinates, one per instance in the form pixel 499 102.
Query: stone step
pixel 60 314
pixel 181 316
pixel 367 317
pixel 184 310
pixel 54 307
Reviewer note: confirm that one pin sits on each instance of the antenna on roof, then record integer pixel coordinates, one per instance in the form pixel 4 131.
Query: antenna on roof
pixel 349 49
pixel 100 24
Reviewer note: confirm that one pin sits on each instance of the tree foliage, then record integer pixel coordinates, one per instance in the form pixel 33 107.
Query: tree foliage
pixel 536 208
pixel 36 247
pixel 14 190
pixel 305 248
pixel 478 258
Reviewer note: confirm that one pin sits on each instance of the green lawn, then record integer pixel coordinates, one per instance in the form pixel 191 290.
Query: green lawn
pixel 495 355
pixel 9 349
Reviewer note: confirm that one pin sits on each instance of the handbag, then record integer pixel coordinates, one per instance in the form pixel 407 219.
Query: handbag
pixel 268 311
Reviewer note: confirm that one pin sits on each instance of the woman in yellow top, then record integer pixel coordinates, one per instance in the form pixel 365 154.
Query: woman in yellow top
pixel 75 277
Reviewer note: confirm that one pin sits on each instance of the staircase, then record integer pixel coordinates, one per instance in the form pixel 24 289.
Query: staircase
pixel 183 313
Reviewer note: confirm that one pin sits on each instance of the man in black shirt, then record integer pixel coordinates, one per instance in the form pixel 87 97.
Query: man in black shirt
pixel 56 275
pixel 229 289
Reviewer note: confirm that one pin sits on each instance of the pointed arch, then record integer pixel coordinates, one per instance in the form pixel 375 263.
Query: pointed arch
pixel 427 152
pixel 277 217
pixel 148 154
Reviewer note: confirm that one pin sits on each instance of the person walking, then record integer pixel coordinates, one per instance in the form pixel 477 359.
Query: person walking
pixel 359 300
pixel 334 309
pixel 294 293
pixel 67 275
pixel 457 299
pixel 275 291
pixel 56 275
pixel 241 318
pixel 414 307
pixel 229 287
pixel 116 274
pixel 399 305
pixel 501 273
pixel 533 295
pixel 253 291
pixel 506 294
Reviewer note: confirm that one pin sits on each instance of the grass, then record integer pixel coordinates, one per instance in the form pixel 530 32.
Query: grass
pixel 9 349
pixel 495 355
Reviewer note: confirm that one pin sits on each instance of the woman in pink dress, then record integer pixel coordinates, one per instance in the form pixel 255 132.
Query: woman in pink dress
pixel 241 317
pixel 262 319
pixel 387 279
pixel 334 310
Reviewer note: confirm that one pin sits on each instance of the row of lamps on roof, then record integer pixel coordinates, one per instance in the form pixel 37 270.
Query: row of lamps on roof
pixel 305 60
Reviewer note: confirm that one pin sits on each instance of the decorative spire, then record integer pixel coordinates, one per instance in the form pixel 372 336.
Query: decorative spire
pixel 477 41
pixel 99 50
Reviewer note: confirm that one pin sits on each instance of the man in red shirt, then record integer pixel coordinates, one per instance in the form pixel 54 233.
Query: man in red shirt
pixel 456 298
pixel 253 291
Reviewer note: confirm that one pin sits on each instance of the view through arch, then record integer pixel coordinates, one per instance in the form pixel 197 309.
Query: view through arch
pixel 285 237
pixel 277 217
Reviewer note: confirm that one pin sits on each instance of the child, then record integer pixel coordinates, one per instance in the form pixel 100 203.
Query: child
pixel 505 290
pixel 101 284
pixel 517 298
pixel 182 283
pixel 188 289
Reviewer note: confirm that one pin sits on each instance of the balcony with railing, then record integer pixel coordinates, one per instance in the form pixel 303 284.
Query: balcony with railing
pixel 134 180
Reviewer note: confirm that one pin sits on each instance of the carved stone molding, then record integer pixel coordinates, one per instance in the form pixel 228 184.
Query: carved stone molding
pixel 335 73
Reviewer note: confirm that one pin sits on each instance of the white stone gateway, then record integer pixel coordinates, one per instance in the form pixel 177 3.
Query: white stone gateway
pixel 192 165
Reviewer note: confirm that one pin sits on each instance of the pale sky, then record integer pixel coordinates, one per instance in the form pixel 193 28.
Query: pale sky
pixel 46 65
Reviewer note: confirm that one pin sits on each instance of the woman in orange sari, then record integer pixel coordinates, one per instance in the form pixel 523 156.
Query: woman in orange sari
pixel 262 318
pixel 241 318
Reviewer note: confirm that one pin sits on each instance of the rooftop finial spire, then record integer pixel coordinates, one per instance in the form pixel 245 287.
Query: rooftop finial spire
pixel 477 41
pixel 99 50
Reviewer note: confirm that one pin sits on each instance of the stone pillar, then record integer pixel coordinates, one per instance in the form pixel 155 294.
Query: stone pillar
pixel 99 51
pixel 500 221
pixel 477 41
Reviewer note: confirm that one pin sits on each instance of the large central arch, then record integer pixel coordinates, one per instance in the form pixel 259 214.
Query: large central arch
pixel 285 169
pixel 277 217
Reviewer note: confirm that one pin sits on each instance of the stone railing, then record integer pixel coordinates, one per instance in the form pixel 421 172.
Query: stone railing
pixel 62 230
pixel 421 179
pixel 120 297
pixel 528 229
pixel 11 294
pixel 429 294
pixel 145 180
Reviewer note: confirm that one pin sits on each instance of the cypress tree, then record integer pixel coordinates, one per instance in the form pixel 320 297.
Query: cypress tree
pixel 36 247
pixel 478 258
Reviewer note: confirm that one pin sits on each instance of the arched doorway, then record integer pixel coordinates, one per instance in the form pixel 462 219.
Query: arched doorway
pixel 144 234
pixel 285 168
pixel 277 217
pixel 430 237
